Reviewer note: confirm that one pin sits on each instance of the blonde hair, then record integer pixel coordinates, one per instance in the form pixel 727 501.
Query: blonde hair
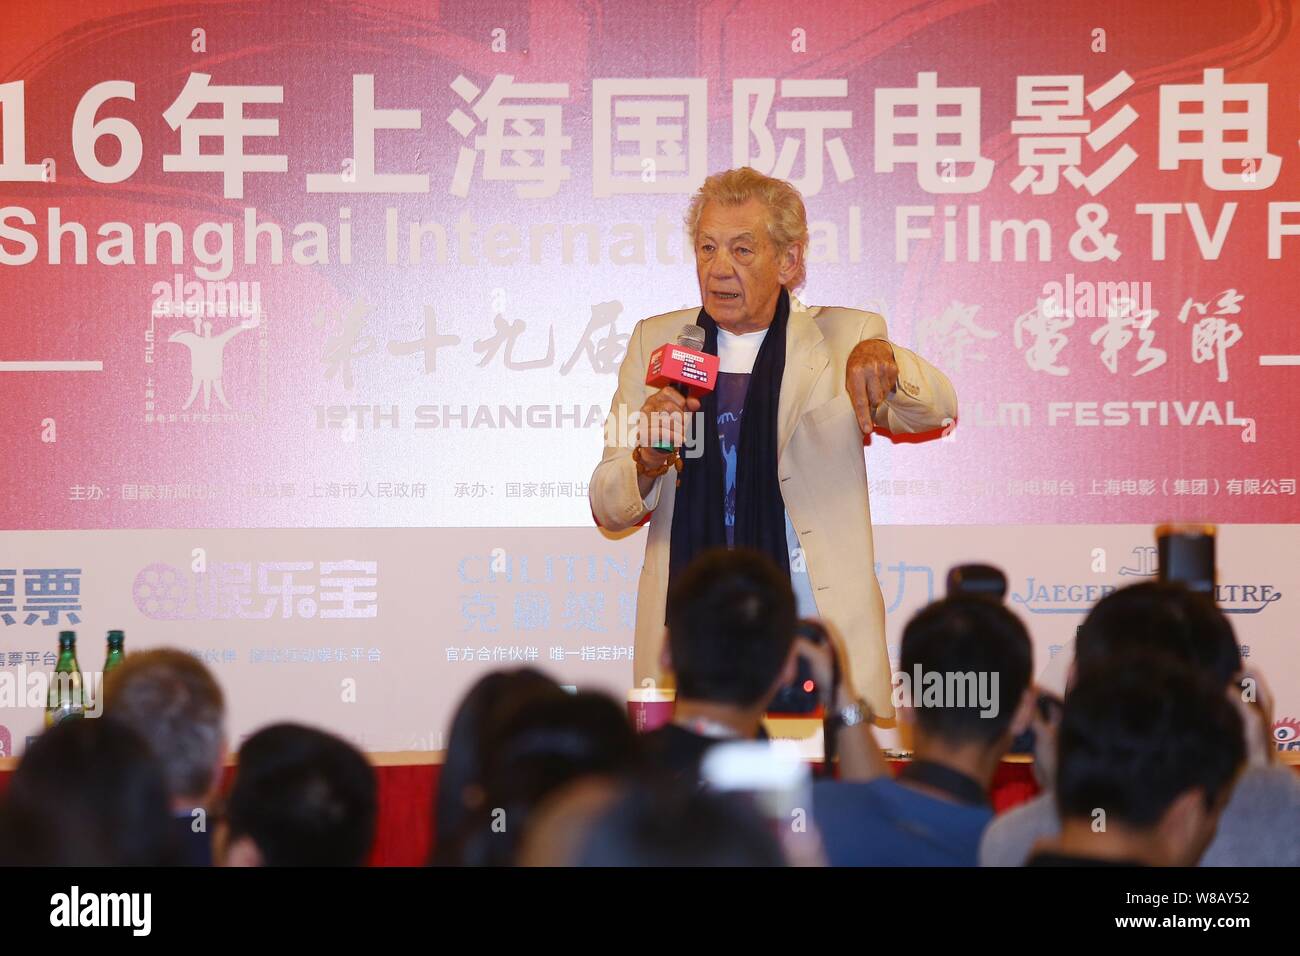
pixel 787 221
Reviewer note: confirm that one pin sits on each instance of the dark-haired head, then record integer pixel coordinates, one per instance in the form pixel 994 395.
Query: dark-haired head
pixel 731 619
pixel 1155 745
pixel 1162 617
pixel 677 824
pixel 546 745
pixel 968 642
pixel 484 709
pixel 88 792
pixel 301 797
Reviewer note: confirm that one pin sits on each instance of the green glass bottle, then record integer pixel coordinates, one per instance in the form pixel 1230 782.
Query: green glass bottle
pixel 65 700
pixel 115 652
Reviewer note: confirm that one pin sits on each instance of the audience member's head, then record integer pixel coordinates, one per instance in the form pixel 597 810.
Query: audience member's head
pixel 560 824
pixel 301 797
pixel 1162 617
pixel 731 620
pixel 975 661
pixel 487 705
pixel 172 700
pixel 546 745
pixel 677 824
pixel 1167 617
pixel 87 792
pixel 1147 753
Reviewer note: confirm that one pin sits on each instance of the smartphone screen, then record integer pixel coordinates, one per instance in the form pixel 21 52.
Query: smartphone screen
pixel 1186 554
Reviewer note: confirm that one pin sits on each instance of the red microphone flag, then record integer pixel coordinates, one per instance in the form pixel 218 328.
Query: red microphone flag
pixel 673 364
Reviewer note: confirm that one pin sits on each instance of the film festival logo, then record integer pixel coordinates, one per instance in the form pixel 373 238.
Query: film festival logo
pixel 211 316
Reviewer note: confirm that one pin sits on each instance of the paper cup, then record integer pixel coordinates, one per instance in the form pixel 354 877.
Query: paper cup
pixel 649 708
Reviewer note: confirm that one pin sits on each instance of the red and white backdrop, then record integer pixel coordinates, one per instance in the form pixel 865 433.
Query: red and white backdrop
pixel 312 313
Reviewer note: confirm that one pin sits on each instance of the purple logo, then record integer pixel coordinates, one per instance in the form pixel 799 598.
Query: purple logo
pixel 161 592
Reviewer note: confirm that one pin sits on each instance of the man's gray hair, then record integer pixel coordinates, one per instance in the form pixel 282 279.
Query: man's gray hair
pixel 172 700
pixel 787 220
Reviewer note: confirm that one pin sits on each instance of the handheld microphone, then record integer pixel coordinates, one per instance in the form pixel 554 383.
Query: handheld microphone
pixel 684 366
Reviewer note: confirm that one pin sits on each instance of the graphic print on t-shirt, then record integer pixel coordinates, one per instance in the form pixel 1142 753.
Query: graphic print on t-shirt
pixel 731 389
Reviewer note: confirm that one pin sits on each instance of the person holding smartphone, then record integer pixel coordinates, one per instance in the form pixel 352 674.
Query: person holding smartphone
pixel 731 645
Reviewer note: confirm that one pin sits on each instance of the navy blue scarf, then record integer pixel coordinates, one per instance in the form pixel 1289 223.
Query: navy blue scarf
pixel 698 519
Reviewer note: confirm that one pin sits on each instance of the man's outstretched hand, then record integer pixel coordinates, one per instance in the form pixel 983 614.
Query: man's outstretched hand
pixel 869 378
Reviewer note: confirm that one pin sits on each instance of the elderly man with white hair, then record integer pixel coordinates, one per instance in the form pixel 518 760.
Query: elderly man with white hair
pixel 782 469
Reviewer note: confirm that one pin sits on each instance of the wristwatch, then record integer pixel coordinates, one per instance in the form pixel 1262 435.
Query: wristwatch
pixel 855 713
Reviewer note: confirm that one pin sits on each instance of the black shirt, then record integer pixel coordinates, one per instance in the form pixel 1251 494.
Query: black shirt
pixel 193 848
pixel 674 751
